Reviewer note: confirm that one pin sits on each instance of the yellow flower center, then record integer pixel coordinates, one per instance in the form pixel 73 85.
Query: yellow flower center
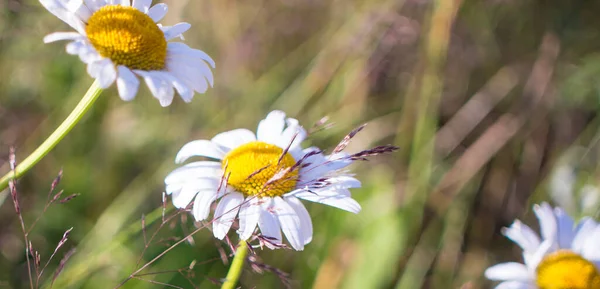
pixel 260 169
pixel 567 270
pixel 128 37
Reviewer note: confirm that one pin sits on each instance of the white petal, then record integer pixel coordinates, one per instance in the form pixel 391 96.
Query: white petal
pixel 195 73
pixel 523 236
pixel 86 52
pixel 225 214
pixel 290 223
pixel 335 198
pixel 159 87
pixel 232 139
pixel 176 30
pixel 127 83
pixel 269 129
pixel 182 199
pixel 104 71
pixel 268 223
pixel 194 170
pixel 190 76
pixel 532 260
pixel 158 11
pixel 62 11
pixel 93 5
pixel 591 247
pixel 83 12
pixel 178 48
pixel 202 204
pixel 58 36
pixel 249 215
pixel 547 221
pixel 585 229
pixel 293 132
pixel 142 5
pixel 516 285
pixel 305 221
pixel 203 148
pixel 182 88
pixel 566 228
pixel 511 271
pixel 123 2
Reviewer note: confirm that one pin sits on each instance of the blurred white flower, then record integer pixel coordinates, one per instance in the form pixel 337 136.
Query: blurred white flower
pixel 261 178
pixel 119 39
pixel 566 256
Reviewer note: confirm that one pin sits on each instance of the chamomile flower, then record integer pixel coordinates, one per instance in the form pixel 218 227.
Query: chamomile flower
pixel 120 40
pixel 567 256
pixel 260 178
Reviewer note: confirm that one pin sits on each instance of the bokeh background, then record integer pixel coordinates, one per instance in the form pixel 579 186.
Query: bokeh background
pixel 493 104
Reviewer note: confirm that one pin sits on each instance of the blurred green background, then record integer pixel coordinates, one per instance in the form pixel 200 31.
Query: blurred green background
pixel 492 102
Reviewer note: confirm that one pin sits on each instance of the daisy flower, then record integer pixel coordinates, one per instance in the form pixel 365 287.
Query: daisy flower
pixel 260 178
pixel 120 40
pixel 566 256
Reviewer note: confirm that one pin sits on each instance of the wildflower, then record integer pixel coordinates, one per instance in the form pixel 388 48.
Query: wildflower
pixel 261 178
pixel 566 256
pixel 118 40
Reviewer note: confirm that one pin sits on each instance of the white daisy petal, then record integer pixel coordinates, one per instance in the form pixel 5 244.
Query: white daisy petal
pixel 183 198
pixel 532 260
pixel 62 10
pixel 193 71
pixel 523 236
pixel 233 138
pixel 83 12
pixel 182 88
pixel 193 170
pixel 203 148
pixel 508 272
pixel 94 5
pixel 585 229
pixel 127 83
pixel 123 2
pixel 515 285
pixel 305 221
pixel 142 5
pixel 159 87
pixel 225 214
pixel 58 36
pixel 269 129
pixel 249 216
pixel 334 198
pixel 566 228
pixel 547 220
pixel 190 76
pixel 290 223
pixel 292 136
pixel 268 223
pixel 202 203
pixel 88 54
pixel 178 48
pixel 176 30
pixel 104 71
pixel 158 11
pixel 591 247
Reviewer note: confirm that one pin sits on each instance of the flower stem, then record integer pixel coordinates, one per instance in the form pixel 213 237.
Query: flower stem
pixel 63 129
pixel 236 266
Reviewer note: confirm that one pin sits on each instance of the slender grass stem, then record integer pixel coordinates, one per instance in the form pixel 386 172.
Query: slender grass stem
pixel 235 271
pixel 63 129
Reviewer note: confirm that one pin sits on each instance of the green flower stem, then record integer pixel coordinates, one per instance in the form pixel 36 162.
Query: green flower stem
pixel 65 127
pixel 236 266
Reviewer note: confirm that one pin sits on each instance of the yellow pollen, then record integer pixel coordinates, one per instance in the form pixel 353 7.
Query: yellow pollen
pixel 128 37
pixel 566 270
pixel 259 169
